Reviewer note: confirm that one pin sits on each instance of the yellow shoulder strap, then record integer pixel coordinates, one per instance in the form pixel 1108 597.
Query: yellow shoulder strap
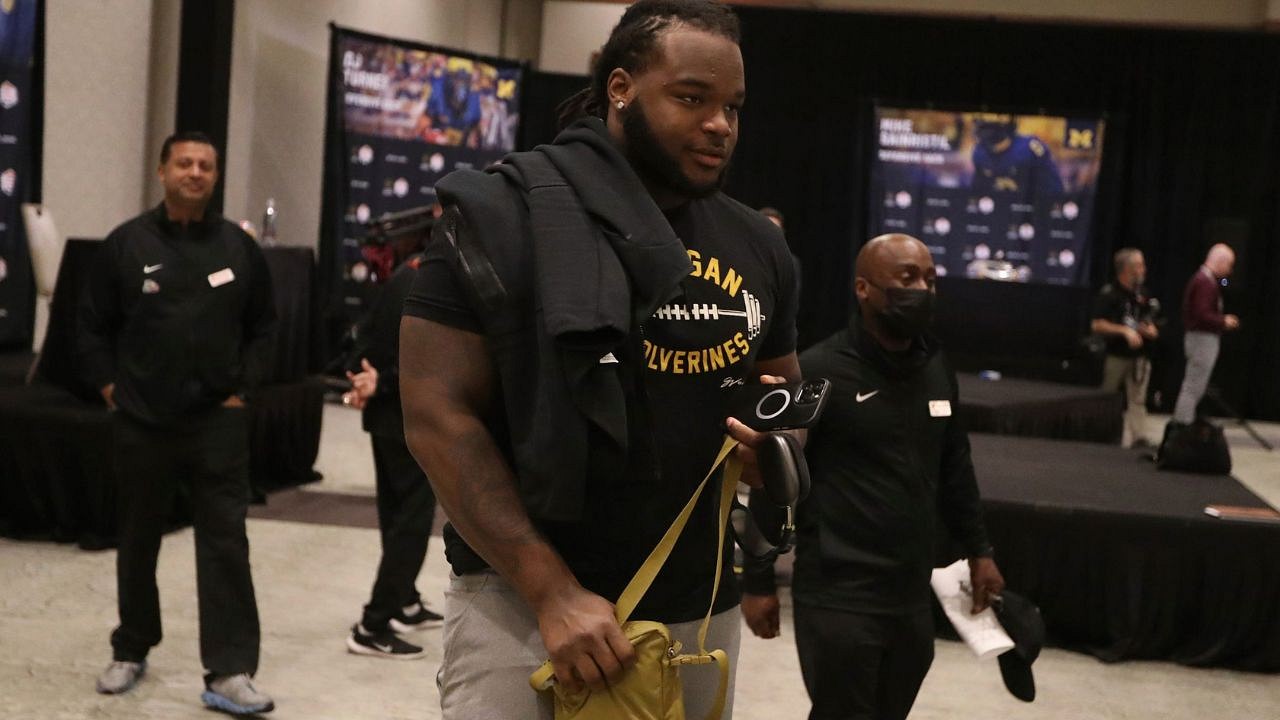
pixel 639 585
pixel 643 578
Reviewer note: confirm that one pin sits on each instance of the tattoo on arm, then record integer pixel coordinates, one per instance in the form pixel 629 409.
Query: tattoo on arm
pixel 490 500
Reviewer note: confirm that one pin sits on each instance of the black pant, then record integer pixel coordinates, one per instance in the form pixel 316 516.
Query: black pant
pixel 209 454
pixel 406 510
pixel 862 666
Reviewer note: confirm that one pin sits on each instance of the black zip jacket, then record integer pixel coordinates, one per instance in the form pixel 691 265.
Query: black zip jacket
pixel 887 459
pixel 178 317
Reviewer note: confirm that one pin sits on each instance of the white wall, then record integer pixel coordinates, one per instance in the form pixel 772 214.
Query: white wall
pixel 573 29
pixel 166 36
pixel 97 87
pixel 279 75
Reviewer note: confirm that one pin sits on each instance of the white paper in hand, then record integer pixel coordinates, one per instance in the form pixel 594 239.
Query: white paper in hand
pixel 981 632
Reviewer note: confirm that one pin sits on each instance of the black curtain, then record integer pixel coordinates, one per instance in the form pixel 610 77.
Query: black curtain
pixel 204 76
pixel 543 93
pixel 1192 145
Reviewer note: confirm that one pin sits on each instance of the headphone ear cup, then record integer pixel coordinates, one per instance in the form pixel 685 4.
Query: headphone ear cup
pixel 778 469
pixel 796 451
pixel 783 469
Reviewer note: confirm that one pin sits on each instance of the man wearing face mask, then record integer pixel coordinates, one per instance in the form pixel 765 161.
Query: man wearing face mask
pixel 888 458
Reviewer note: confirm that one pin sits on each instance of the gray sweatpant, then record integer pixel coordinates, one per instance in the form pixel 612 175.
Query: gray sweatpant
pixel 492 645
pixel 1202 353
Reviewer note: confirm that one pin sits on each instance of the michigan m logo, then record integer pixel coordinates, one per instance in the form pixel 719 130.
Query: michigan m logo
pixel 1077 138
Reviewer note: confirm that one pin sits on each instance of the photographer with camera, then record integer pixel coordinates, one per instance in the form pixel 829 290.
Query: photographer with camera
pixel 888 458
pixel 1126 317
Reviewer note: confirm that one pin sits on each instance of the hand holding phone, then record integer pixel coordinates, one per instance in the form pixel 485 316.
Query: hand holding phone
pixel 765 408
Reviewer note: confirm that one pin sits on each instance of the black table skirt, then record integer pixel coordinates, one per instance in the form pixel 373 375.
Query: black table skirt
pixel 1032 408
pixel 1122 560
pixel 56 458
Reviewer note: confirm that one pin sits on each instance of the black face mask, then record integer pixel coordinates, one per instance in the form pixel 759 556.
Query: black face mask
pixel 907 313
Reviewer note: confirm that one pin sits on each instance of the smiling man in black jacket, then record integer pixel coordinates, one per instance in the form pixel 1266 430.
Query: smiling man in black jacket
pixel 887 459
pixel 175 332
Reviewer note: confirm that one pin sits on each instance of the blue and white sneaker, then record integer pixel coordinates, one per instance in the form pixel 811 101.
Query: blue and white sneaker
pixel 235 695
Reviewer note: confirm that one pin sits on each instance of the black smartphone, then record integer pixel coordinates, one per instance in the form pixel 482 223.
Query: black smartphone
pixel 780 407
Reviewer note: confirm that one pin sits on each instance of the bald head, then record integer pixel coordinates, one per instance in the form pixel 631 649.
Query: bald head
pixel 1221 260
pixel 894 259
pixel 894 277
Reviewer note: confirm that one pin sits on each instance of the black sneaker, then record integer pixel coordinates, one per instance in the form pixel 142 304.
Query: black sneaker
pixel 384 644
pixel 416 617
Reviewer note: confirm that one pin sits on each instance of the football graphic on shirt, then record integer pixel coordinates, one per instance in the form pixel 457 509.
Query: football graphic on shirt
pixel 710 328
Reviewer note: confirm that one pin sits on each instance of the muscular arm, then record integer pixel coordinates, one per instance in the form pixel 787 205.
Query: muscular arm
pixel 446 386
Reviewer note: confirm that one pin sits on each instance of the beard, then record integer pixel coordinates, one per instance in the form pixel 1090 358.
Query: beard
pixel 655 165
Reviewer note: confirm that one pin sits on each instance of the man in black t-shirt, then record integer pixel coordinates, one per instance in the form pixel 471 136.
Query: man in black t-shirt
pixel 538 555
pixel 1125 316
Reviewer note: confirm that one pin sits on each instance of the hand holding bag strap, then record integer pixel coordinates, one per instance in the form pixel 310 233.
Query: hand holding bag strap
pixel 544 676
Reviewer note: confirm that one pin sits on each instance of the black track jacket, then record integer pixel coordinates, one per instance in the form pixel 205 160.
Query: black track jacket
pixel 887 459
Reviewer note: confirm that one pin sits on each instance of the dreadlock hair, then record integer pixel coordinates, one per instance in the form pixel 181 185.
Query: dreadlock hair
pixel 632 43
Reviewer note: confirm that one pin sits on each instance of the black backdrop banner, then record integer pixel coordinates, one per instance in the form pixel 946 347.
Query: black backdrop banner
pixel 1193 146
pixel 17 68
pixel 995 196
pixel 401 115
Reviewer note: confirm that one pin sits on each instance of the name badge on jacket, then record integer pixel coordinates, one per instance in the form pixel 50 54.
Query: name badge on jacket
pixel 939 408
pixel 222 277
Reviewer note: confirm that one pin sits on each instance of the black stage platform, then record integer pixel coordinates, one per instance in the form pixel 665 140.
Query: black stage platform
pixel 1033 408
pixel 1121 558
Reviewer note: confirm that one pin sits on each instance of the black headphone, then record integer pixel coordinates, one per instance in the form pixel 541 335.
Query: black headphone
pixel 786 482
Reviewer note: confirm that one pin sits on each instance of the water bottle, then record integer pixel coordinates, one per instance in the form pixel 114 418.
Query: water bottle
pixel 269 224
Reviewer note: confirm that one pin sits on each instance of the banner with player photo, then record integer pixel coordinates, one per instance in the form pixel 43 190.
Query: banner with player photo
pixel 994 196
pixel 401 116
pixel 17 63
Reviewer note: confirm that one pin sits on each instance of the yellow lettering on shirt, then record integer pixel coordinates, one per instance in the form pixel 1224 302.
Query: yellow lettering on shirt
pixel 697 362
pixel 728 279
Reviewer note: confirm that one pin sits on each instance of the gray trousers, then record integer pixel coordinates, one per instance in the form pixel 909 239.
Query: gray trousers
pixel 1202 353
pixel 1130 374
pixel 492 645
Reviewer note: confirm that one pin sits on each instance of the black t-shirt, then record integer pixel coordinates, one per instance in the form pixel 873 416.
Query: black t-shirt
pixel 735 308
pixel 1119 305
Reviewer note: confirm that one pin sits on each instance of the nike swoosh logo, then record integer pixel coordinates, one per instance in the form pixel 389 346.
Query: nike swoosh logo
pixel 860 397
pixel 148 269
pixel 383 648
